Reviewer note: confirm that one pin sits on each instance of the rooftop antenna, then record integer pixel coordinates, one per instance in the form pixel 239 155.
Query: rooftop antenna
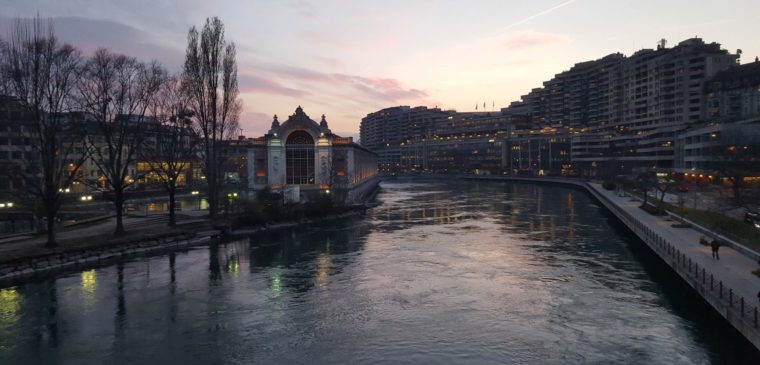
pixel 662 43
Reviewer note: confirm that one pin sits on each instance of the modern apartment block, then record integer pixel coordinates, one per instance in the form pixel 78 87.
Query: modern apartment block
pixel 461 143
pixel 388 131
pixel 539 152
pixel 611 116
pixel 734 94
pixel 719 148
pixel 629 109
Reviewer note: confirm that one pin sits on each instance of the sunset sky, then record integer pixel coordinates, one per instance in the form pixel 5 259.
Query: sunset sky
pixel 349 58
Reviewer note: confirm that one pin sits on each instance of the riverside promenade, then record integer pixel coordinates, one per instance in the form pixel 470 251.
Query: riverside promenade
pixel 24 256
pixel 728 284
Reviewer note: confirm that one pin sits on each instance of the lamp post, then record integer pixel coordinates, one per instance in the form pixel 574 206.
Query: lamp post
pixel 197 193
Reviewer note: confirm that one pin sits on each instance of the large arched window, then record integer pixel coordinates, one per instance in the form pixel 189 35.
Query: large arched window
pixel 299 158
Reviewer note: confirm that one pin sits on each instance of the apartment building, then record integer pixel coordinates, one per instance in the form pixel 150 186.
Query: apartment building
pixel 616 115
pixel 652 96
pixel 388 131
pixel 17 129
pixel 734 94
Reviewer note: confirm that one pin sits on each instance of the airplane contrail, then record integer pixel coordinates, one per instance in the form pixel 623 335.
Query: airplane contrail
pixel 547 11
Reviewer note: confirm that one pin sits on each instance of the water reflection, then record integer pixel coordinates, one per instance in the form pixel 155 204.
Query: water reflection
pixel 89 280
pixel 10 304
pixel 476 273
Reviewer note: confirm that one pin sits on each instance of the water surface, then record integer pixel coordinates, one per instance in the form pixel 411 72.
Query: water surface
pixel 441 272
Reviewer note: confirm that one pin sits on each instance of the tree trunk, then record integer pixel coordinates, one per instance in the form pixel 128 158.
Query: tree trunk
pixel 172 218
pixel 119 204
pixel 213 194
pixel 737 188
pixel 659 204
pixel 51 229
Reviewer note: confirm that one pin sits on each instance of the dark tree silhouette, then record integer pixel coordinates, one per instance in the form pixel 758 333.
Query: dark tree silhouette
pixel 171 148
pixel 646 181
pixel 41 73
pixel 117 90
pixel 210 81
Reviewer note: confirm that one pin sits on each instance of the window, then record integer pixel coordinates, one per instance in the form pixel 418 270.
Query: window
pixel 261 167
pixel 299 158
pixel 340 167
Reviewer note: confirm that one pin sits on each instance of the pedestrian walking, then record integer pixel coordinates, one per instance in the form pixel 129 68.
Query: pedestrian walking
pixel 715 245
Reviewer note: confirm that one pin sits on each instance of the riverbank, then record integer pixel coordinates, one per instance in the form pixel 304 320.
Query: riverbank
pixel 95 245
pixel 728 284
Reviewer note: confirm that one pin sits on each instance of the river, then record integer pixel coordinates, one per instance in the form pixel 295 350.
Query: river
pixel 440 272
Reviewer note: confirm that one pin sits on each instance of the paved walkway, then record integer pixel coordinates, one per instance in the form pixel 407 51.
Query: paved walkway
pixel 92 235
pixel 733 268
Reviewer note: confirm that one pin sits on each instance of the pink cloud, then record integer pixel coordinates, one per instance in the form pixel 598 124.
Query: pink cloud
pixel 374 89
pixel 304 8
pixel 381 88
pixel 255 123
pixel 91 34
pixel 255 84
pixel 531 39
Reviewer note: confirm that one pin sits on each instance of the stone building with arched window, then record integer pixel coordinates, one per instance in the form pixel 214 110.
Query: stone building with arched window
pixel 302 158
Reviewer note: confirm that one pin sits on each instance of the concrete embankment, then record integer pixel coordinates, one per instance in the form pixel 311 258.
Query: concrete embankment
pixel 728 284
pixel 248 231
pixel 80 259
pixel 32 262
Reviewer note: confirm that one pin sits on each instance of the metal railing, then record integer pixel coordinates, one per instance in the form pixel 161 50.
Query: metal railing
pixel 707 284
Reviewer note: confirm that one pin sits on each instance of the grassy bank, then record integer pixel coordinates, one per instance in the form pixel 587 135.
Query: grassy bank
pixel 734 229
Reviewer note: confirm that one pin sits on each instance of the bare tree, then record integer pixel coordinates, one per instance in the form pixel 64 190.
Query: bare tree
pixel 210 81
pixel 172 146
pixel 117 90
pixel 646 181
pixel 665 184
pixel 41 73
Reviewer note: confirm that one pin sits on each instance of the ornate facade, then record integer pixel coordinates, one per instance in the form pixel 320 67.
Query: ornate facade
pixel 302 158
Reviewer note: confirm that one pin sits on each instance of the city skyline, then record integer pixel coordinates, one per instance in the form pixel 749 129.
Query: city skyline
pixel 344 60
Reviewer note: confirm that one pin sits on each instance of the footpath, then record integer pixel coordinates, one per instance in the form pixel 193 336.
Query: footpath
pixel 92 244
pixel 728 284
pixel 734 268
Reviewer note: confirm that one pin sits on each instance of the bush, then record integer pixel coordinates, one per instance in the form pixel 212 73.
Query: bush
pixel 731 228
pixel 703 240
pixel 756 272
pixel 323 205
pixel 651 209
pixel 268 207
pixel 609 185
